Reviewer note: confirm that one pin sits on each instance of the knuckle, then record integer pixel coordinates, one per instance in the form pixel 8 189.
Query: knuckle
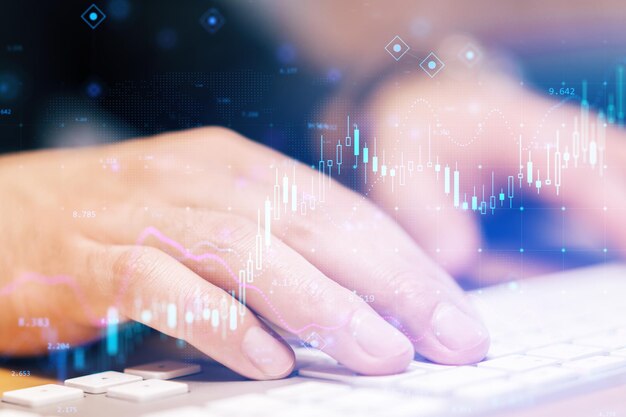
pixel 233 231
pixel 317 292
pixel 407 287
pixel 137 266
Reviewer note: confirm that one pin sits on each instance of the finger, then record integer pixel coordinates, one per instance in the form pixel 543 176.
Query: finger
pixel 371 255
pixel 416 200
pixel 153 288
pixel 346 237
pixel 424 208
pixel 336 238
pixel 287 290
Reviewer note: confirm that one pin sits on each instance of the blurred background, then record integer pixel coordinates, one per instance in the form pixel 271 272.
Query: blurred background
pixel 75 75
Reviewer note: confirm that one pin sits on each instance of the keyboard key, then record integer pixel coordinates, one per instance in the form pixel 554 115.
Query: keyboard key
pixel 100 382
pixel 499 349
pixel 306 357
pixel 610 340
pixel 364 400
pixel 565 351
pixel 619 352
pixel 148 390
pixel 181 412
pixel 308 391
pixel 445 381
pixel 301 410
pixel 547 376
pixel 343 374
pixel 596 364
pixel 516 363
pixel 428 366
pixel 416 406
pixel 17 413
pixel 164 370
pixel 490 389
pixel 42 395
pixel 247 405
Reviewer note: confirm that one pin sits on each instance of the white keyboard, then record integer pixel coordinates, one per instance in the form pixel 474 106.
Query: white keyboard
pixel 552 336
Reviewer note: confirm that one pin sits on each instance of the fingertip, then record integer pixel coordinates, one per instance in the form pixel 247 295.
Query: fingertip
pixel 390 348
pixel 457 337
pixel 273 358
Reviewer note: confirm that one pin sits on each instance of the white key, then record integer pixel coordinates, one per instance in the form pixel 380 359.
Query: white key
pixel 497 350
pixel 343 374
pixel 429 366
pixel 444 381
pixel 490 389
pixel 100 382
pixel 301 410
pixel 148 390
pixel 619 352
pixel 596 364
pixel 364 400
pixel 306 357
pixel 17 413
pixel 611 340
pixel 565 351
pixel 164 370
pixel 42 395
pixel 181 412
pixel 308 391
pixel 416 406
pixel 516 363
pixel 247 404
pixel 547 376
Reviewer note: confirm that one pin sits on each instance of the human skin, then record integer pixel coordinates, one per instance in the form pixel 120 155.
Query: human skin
pixel 485 113
pixel 74 233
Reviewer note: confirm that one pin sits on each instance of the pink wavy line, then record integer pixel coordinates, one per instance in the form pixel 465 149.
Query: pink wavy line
pixel 152 231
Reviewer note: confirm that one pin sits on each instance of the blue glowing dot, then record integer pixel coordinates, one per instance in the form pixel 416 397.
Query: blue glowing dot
pixel 93 16
pixel 521 250
pixel 94 90
pixel 432 64
pixel 605 250
pixel 469 55
pixel 397 47
pixel 212 20
pixel 521 208
pixel 563 208
pixel 563 250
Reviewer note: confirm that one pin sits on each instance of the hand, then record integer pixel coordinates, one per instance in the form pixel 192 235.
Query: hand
pixel 157 231
pixel 476 118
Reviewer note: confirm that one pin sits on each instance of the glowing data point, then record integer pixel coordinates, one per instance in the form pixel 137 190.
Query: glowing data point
pixel 212 20
pixel 470 55
pixel 397 48
pixel 432 65
pixel 93 16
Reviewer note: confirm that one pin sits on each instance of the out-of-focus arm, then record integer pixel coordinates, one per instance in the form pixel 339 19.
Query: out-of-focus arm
pixel 346 33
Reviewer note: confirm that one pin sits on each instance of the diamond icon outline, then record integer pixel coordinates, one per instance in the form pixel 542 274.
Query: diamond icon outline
pixel 432 65
pixel 93 16
pixel 315 342
pixel 393 44
pixel 212 20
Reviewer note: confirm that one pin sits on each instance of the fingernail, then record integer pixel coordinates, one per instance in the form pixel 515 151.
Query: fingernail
pixel 456 330
pixel 266 353
pixel 377 337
